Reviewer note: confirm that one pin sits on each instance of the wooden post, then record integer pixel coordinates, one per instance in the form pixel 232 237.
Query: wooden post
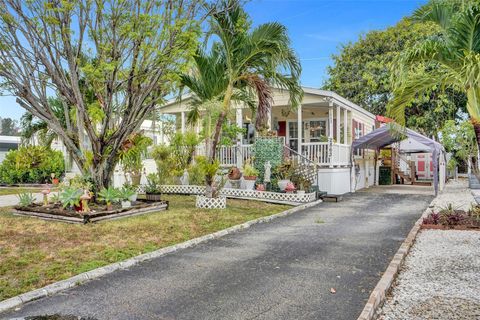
pixel 339 140
pixel 330 135
pixel 183 122
pixel 345 126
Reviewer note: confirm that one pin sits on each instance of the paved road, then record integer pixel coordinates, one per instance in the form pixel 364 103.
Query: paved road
pixel 278 270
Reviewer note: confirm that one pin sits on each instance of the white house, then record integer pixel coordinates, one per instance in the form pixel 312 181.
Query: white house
pixel 319 132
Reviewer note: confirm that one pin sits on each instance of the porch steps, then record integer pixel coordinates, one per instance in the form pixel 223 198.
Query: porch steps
pixel 332 197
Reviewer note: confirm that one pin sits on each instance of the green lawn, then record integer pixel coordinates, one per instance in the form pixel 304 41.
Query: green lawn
pixel 34 253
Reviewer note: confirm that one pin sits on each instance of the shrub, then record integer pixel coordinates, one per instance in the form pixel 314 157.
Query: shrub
pixel 70 197
pixel 26 199
pixel 32 164
pixel 267 149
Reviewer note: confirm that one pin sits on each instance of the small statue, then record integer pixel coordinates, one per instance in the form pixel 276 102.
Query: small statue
pixel 268 172
pixel 184 179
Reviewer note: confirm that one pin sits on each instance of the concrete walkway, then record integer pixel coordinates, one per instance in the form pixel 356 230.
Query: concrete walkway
pixel 284 269
pixel 12 199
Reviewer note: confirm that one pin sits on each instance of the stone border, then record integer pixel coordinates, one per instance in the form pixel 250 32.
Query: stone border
pixel 379 293
pixel 99 272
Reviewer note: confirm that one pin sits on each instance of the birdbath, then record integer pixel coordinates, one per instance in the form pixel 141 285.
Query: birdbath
pixel 84 198
pixel 45 193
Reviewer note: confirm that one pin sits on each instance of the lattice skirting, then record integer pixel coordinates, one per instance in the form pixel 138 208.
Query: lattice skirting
pixel 211 203
pixel 242 193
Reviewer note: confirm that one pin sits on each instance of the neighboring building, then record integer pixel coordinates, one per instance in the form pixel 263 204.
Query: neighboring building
pixel 321 130
pixel 8 143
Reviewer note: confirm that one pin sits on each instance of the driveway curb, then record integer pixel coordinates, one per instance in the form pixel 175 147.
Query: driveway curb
pixel 378 295
pixel 99 272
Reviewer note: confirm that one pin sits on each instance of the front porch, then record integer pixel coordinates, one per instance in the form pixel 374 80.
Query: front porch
pixel 320 130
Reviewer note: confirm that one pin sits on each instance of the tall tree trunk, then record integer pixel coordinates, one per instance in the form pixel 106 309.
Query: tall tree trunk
pixel 476 128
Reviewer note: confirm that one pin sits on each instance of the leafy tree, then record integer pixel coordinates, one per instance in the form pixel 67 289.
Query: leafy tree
pixel 362 74
pixel 459 139
pixel 242 64
pixel 450 59
pixel 9 127
pixel 109 62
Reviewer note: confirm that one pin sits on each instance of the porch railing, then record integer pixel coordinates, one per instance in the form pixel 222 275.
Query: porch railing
pixel 318 153
pixel 229 156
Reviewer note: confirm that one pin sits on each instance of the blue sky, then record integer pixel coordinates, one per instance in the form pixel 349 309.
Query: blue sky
pixel 317 29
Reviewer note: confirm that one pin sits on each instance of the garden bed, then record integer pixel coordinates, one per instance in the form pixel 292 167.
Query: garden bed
pixel 56 212
pixel 453 219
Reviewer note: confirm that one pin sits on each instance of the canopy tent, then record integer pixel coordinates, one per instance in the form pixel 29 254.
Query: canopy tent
pixel 387 135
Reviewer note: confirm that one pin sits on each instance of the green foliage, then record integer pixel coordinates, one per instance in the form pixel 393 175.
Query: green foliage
pixel 448 60
pixel 108 195
pixel 196 174
pixel 26 199
pixel 249 170
pixel 459 139
pixel 81 182
pixel 267 149
pixel 132 151
pixel 362 74
pixel 173 159
pixel 284 170
pixel 31 164
pixel 125 193
pixel 70 197
pixel 153 184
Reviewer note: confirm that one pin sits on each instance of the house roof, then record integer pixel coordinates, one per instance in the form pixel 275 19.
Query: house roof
pixel 312 91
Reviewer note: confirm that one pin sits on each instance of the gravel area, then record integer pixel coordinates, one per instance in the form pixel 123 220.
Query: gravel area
pixel 441 275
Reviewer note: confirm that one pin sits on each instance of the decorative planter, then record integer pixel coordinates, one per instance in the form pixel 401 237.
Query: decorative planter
pixel 282 184
pixel 133 198
pixel 126 204
pixel 235 183
pixel 153 196
pixel 211 203
pixel 261 187
pixel 55 181
pixel 249 184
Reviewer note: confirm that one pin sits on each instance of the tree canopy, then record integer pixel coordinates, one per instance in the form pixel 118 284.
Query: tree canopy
pixel 109 62
pixel 362 73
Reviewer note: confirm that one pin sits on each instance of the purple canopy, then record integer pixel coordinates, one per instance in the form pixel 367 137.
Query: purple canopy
pixel 387 135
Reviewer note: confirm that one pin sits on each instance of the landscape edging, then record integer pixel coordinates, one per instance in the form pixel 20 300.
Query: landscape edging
pixel 99 272
pixel 379 293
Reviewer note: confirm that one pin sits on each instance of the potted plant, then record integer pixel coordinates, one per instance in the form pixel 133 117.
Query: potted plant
pixel 153 189
pixel 70 198
pixel 131 152
pixel 133 190
pixel 250 175
pixel 290 187
pixel 109 196
pixel 284 172
pixel 234 176
pixel 26 199
pixel 125 194
pixel 301 183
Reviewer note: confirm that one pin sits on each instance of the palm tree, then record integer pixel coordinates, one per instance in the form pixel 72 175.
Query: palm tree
pixel 241 64
pixel 450 59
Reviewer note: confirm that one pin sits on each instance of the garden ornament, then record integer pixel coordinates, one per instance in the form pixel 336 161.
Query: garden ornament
pixel 184 179
pixel 268 172
pixel 290 187
pixel 84 198
pixel 45 193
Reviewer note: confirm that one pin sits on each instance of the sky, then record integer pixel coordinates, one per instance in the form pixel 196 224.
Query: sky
pixel 317 29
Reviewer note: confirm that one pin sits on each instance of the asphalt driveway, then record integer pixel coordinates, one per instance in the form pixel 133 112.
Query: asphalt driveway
pixel 283 269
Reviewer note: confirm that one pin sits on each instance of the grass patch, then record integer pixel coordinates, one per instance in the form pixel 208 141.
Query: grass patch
pixel 35 253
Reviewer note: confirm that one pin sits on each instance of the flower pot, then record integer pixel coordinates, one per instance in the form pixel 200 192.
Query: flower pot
pixel 153 196
pixel 126 204
pixel 204 202
pixel 136 179
pixel 235 184
pixel 109 207
pixel 249 184
pixel 261 187
pixel 55 181
pixel 133 198
pixel 282 184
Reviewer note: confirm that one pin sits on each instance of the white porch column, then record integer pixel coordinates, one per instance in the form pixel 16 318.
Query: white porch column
pixel 239 123
pixel 160 129
pixel 299 129
pixel 183 122
pixel 345 126
pixel 330 134
pixel 269 124
pixel 339 140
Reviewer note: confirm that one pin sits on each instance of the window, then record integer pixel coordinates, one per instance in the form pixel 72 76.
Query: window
pixel 318 130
